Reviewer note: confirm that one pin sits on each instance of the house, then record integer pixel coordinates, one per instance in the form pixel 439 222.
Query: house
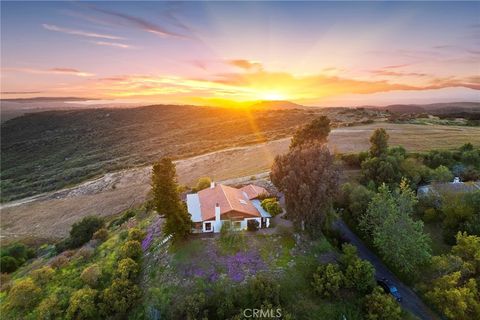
pixel 438 189
pixel 211 207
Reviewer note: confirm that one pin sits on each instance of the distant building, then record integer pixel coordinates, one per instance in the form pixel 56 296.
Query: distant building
pixel 439 188
pixel 211 207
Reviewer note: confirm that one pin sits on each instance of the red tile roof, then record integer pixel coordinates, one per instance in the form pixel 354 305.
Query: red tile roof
pixel 228 198
pixel 254 191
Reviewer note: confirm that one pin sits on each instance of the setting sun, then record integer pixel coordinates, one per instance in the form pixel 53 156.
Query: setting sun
pixel 273 96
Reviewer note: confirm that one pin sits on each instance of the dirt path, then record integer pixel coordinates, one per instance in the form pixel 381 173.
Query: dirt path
pixel 52 214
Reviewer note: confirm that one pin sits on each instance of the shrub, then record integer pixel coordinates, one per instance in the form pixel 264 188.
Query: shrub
pixel 430 214
pixel 82 304
pixel 120 297
pixel 19 251
pixel 379 305
pixel 8 264
pixel 91 274
pixel 136 234
pixel 202 183
pixel 131 249
pixel 327 280
pixel 272 206
pixel 124 218
pixel 50 308
pixel 85 253
pixel 59 261
pixel 24 294
pixel 252 225
pixel 43 275
pixel 83 231
pixel 127 269
pixel 100 234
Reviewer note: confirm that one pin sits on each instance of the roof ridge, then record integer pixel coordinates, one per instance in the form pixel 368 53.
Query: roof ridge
pixel 226 197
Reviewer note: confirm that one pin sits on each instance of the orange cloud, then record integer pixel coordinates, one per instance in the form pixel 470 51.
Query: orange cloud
pixel 245 64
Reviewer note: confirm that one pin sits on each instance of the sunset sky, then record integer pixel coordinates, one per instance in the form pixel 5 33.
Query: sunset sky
pixel 314 53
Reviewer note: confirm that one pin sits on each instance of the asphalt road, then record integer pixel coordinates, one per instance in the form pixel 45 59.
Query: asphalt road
pixel 410 302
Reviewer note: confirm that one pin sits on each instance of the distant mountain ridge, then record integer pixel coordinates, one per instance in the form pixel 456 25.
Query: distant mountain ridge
pixel 437 108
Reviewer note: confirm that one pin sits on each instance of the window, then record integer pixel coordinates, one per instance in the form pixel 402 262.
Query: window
pixel 208 226
pixel 237 224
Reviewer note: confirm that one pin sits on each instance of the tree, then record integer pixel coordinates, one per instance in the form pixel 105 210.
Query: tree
pixel 136 234
pixel 380 306
pixel 468 249
pixel 82 305
pixel 203 183
pixel 441 174
pixel 359 274
pixel 127 269
pixel 165 187
pixel 91 274
pixel 316 131
pixel 82 231
pixel 24 294
pixel 327 280
pixel 399 239
pixel 167 200
pixel 8 264
pixel 456 301
pixel 131 249
pixel 379 142
pixel 384 169
pixel 120 297
pixel 272 206
pixel 43 275
pixel 358 200
pixel 310 180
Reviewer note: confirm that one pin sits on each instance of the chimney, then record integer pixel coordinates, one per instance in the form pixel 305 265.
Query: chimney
pixel 212 185
pixel 217 212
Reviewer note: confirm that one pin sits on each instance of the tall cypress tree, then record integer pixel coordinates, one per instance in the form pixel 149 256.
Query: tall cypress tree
pixel 167 199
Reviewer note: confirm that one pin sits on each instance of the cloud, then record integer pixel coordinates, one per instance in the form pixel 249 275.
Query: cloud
pixel 140 23
pixel 245 64
pixel 112 44
pixel 80 32
pixel 383 72
pixel 58 71
pixel 21 92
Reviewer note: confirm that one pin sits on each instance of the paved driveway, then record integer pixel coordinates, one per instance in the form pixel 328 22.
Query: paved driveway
pixel 411 302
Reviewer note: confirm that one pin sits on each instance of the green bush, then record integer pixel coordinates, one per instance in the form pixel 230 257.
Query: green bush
pixel 83 231
pixel 127 269
pixel 24 294
pixel 101 234
pixel 327 280
pixel 379 305
pixel 202 183
pixel 8 264
pixel 136 234
pixel 120 297
pixel 91 275
pixel 43 275
pixel 131 249
pixel 82 304
pixel 272 206
pixel 50 308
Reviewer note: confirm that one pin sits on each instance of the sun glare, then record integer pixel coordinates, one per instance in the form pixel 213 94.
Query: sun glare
pixel 274 96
